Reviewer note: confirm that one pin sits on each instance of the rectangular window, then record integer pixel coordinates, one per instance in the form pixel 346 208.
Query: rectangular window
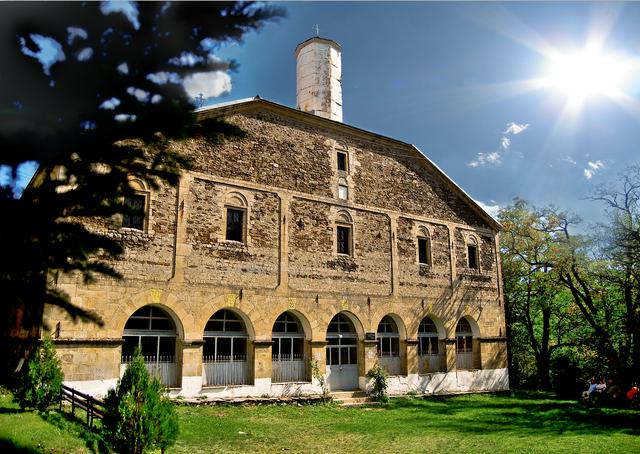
pixel 134 218
pixel 343 192
pixel 344 240
pixel 423 251
pixel 342 161
pixel 235 225
pixel 472 255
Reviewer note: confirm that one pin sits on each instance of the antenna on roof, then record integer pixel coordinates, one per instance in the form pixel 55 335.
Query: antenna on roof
pixel 200 100
pixel 317 29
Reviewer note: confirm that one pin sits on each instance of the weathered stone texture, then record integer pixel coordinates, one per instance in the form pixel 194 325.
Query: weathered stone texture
pixel 213 259
pixel 432 280
pixel 315 265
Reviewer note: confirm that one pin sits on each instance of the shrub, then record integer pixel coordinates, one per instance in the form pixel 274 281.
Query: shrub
pixel 40 384
pixel 379 378
pixel 315 373
pixel 138 417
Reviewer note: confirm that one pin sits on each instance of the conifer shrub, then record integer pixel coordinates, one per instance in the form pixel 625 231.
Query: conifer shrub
pixel 378 377
pixel 40 384
pixel 138 417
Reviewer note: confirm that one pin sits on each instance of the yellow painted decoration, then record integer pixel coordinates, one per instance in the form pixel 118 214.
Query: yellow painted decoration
pixel 232 299
pixel 291 303
pixel 156 295
pixel 344 304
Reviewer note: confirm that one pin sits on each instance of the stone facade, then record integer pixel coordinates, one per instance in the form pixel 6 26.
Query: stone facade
pixel 283 175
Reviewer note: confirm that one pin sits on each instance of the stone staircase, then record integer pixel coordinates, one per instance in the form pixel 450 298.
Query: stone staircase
pixel 352 398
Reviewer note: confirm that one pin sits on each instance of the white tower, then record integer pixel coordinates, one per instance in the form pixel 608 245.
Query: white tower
pixel 319 78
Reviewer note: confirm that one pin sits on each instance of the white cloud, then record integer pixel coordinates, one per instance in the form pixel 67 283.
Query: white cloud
pixel 593 168
pixel 209 84
pixel 123 68
pixel 139 94
pixel 570 160
pixel 515 128
pixel 155 99
pixel 186 59
pixel 495 158
pixel 110 104
pixel 491 209
pixel 163 77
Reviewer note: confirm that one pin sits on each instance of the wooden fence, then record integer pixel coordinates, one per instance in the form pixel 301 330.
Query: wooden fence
pixel 94 407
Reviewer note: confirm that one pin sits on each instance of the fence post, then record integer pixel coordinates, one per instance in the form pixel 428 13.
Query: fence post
pixel 73 401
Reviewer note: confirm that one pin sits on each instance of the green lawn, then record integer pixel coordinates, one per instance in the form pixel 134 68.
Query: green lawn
pixel 474 423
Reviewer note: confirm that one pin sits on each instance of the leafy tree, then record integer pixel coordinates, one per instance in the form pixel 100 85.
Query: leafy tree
pixel 103 102
pixel 539 311
pixel 137 416
pixel 40 384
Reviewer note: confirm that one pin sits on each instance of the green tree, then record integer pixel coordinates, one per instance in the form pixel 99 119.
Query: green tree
pixel 137 416
pixel 103 101
pixel 539 311
pixel 40 384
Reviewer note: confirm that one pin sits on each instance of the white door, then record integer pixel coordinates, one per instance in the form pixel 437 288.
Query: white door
pixel 342 363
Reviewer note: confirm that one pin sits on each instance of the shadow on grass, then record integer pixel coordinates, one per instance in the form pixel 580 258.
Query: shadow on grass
pixel 71 423
pixel 10 411
pixel 8 446
pixel 523 412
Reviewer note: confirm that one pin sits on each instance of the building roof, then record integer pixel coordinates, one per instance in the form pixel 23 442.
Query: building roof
pixel 244 104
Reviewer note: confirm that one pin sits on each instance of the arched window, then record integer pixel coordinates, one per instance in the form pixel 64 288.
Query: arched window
pixel 424 247
pixel 225 350
pixel 341 341
pixel 389 345
pixel 428 346
pixel 136 206
pixel 236 217
pixel 152 330
pixel 464 345
pixel 289 361
pixel 344 234
pixel 473 260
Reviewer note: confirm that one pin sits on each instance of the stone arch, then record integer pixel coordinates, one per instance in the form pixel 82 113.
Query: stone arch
pixel 235 198
pixel 344 216
pixel 475 327
pixel 442 332
pixel 246 321
pixel 133 307
pixel 402 329
pixel 355 321
pixel 302 319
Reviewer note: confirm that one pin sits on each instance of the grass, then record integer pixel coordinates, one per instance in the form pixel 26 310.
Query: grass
pixel 521 422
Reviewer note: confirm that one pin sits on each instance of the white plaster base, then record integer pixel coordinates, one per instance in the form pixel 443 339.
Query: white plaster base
pixel 463 381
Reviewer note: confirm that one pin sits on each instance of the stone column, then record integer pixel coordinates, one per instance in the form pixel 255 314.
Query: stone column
pixel 413 362
pixel 262 365
pixel 181 248
pixel 370 356
pixel 283 283
pixel 449 354
pixel 395 276
pixel 192 378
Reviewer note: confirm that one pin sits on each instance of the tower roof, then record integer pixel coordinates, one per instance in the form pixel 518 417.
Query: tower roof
pixel 317 39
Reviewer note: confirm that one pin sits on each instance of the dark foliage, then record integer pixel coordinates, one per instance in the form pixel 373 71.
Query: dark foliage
pixel 86 154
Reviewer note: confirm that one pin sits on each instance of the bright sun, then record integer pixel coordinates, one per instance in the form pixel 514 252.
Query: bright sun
pixel 586 74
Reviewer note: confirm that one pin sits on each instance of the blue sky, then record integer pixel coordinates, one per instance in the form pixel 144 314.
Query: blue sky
pixel 450 78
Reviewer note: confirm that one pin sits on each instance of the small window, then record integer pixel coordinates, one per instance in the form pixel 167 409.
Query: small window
pixel 343 161
pixel 424 253
pixel 235 224
pixel 472 256
pixel 344 239
pixel 134 218
pixel 343 192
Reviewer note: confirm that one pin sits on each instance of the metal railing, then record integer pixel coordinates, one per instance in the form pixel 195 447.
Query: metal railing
pixel 464 360
pixel 430 363
pixel 225 370
pixel 164 368
pixel 94 407
pixel 289 368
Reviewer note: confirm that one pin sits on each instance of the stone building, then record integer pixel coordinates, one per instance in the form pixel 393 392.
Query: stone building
pixel 304 241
